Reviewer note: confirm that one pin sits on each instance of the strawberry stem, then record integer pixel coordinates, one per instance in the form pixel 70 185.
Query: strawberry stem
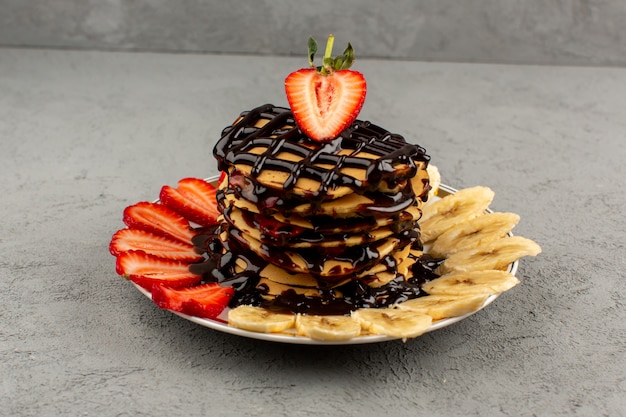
pixel 329 47
pixel 330 64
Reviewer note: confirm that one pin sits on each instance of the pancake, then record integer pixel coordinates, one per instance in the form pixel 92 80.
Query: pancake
pixel 274 281
pixel 330 264
pixel 271 232
pixel 360 220
pixel 247 193
pixel 265 144
pixel 258 282
pixel 304 223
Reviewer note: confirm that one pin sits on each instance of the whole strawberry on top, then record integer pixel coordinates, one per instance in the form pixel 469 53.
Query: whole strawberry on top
pixel 325 100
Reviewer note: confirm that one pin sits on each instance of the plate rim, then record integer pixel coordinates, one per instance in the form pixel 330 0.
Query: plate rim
pixel 222 325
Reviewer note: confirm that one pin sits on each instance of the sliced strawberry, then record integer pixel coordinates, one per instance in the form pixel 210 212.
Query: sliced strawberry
pixel 324 105
pixel 147 270
pixel 194 199
pixel 125 240
pixel 223 175
pixel 327 99
pixel 158 219
pixel 206 300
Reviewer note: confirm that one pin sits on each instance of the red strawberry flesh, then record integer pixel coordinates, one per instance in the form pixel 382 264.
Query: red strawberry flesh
pixel 206 300
pixel 194 199
pixel 325 105
pixel 125 240
pixel 158 219
pixel 147 270
pixel 326 100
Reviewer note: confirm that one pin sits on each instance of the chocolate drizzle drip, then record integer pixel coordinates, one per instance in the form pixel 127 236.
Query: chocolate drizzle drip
pixel 365 158
pixel 278 132
pixel 220 267
pixel 269 201
pixel 279 234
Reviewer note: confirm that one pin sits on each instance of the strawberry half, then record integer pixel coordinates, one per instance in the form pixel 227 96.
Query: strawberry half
pixel 125 240
pixel 158 219
pixel 206 300
pixel 194 199
pixel 326 100
pixel 147 270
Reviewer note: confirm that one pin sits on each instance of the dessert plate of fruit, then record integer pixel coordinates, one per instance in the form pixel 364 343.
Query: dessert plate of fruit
pixel 155 251
pixel 321 229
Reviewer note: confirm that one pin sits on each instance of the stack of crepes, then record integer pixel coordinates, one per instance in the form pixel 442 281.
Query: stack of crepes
pixel 308 217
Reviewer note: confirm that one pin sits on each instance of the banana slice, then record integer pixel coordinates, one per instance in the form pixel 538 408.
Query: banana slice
pixel 473 233
pixel 434 178
pixel 454 209
pixel 331 328
pixel 493 255
pixel 471 283
pixel 392 322
pixel 258 319
pixel 444 306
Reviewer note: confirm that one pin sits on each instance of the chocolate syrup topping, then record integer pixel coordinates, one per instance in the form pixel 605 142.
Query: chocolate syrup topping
pixel 280 134
pixel 220 267
pixel 279 234
pixel 360 257
pixel 269 201
pixel 365 159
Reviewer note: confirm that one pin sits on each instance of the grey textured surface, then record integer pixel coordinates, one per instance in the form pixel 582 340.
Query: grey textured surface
pixel 84 134
pixel 570 32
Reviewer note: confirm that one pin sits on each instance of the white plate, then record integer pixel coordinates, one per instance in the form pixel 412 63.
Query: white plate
pixel 220 324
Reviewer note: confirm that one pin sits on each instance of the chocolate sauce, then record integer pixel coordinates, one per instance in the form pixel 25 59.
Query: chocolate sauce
pixel 359 257
pixel 270 201
pixel 277 234
pixel 221 258
pixel 257 142
pixel 280 134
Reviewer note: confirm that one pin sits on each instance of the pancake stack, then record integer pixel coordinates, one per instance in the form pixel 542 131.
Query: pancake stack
pixel 307 218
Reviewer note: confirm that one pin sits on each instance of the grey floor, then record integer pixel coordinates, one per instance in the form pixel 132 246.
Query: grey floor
pixel 84 134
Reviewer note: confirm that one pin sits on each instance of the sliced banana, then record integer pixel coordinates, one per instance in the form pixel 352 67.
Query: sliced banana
pixel 453 210
pixel 458 228
pixel 258 319
pixel 473 233
pixel 392 322
pixel 493 255
pixel 330 328
pixel 434 178
pixel 471 283
pixel 444 306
